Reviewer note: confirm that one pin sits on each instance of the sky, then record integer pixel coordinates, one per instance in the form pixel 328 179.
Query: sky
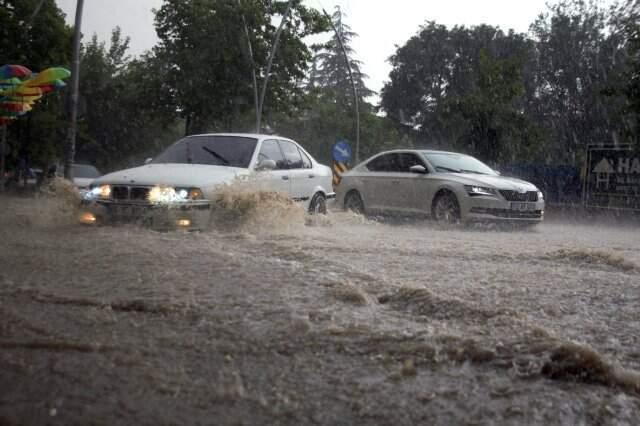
pixel 380 25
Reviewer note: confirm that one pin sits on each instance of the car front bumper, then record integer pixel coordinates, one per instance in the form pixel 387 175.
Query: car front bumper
pixel 190 215
pixel 490 209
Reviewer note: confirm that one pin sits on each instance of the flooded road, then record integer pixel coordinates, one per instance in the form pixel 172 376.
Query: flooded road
pixel 339 320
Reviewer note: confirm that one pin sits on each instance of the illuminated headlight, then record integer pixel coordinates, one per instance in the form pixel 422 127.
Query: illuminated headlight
pixel 168 194
pixel 189 193
pixel 102 192
pixel 163 194
pixel 479 190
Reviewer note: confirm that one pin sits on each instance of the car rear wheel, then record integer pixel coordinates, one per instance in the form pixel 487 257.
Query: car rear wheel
pixel 446 209
pixel 353 202
pixel 318 204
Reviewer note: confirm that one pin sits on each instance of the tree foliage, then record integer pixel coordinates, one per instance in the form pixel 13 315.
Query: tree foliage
pixel 330 71
pixel 511 97
pixel 328 114
pixel 572 81
pixel 205 45
pixel 628 18
pixel 460 87
pixel 125 114
pixel 37 42
pixel 578 59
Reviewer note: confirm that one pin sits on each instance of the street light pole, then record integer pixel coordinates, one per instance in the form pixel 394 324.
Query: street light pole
pixel 75 79
pixel 270 62
pixel 253 68
pixel 353 85
pixel 253 75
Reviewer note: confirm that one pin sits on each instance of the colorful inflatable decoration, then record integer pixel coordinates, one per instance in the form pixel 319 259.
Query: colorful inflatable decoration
pixel 20 88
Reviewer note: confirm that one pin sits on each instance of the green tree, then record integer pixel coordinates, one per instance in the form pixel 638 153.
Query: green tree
pixel 579 60
pixel 324 122
pixel 492 123
pixel 204 44
pixel 328 113
pixel 126 115
pixel 628 20
pixel 462 88
pixel 38 42
pixel 330 71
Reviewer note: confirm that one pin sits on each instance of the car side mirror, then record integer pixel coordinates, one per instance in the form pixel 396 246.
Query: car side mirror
pixel 266 165
pixel 148 160
pixel 418 169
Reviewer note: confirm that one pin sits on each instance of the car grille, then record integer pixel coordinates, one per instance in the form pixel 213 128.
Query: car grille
pixel 139 193
pixel 519 196
pixel 122 192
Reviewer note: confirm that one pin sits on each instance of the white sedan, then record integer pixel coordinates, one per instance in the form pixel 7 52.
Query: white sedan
pixel 177 188
pixel 447 186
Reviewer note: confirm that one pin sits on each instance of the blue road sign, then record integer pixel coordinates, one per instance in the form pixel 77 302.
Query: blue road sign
pixel 342 151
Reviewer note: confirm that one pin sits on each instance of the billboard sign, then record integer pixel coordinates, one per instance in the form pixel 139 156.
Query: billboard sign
pixel 612 178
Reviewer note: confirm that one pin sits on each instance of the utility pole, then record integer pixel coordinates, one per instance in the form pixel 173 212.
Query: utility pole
pixel 75 79
pixel 353 85
pixel 270 62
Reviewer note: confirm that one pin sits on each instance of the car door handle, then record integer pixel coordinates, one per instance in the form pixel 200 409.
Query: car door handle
pixel 285 177
pixel 395 182
pixel 312 176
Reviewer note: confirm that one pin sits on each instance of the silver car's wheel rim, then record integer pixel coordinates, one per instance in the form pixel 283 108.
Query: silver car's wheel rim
pixel 446 210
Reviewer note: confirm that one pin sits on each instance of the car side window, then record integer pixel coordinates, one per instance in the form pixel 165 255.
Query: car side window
pixel 271 151
pixel 292 156
pixel 306 161
pixel 408 160
pixel 395 163
pixel 379 164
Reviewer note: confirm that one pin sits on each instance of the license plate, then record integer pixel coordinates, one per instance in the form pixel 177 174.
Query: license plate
pixel 523 207
pixel 127 212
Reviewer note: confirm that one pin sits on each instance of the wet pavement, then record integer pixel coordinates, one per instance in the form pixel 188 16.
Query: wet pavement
pixel 286 319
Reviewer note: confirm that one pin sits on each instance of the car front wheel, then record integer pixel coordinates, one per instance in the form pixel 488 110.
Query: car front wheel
pixel 446 209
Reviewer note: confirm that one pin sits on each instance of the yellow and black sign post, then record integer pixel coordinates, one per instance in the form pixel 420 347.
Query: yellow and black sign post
pixel 339 169
pixel 341 155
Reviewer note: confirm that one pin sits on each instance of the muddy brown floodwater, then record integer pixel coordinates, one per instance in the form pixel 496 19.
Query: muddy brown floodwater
pixel 342 320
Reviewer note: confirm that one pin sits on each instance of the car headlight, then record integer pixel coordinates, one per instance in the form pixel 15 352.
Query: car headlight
pixel 168 194
pixel 101 192
pixel 473 190
pixel 162 194
pixel 540 196
pixel 189 193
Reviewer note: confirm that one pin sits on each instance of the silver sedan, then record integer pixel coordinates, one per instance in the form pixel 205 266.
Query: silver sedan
pixel 448 186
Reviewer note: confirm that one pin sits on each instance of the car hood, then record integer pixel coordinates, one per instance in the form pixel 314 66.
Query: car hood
pixel 170 174
pixel 497 182
pixel 82 182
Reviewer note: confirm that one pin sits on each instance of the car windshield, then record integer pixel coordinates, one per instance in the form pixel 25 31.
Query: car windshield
pixel 232 151
pixel 85 171
pixel 457 163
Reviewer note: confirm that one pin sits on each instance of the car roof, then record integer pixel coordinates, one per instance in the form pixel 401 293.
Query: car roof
pixel 242 135
pixel 427 151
